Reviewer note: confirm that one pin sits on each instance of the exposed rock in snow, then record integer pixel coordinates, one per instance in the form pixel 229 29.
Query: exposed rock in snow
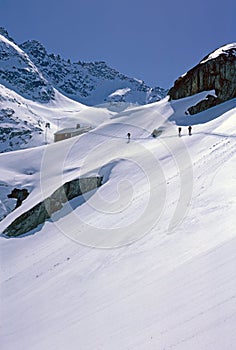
pixel 43 210
pixel 216 71
pixel 18 123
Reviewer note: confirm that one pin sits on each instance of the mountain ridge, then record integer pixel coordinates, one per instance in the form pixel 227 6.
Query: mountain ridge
pixel 90 83
pixel 20 74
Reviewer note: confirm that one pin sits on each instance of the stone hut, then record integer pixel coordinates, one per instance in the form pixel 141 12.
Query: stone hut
pixel 70 132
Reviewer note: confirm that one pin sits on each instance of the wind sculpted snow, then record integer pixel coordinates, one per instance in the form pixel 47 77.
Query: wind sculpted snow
pixel 167 286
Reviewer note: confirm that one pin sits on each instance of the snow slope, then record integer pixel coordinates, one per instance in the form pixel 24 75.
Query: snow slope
pixel 23 121
pixel 23 125
pixel 167 203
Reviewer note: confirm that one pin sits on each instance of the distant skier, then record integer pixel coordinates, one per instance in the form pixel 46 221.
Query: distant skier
pixel 190 130
pixel 179 130
pixel 128 135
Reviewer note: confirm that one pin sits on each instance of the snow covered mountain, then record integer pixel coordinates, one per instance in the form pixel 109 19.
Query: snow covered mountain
pixel 29 70
pixel 90 83
pixel 147 260
pixel 28 102
pixel 17 72
pixel 30 81
pixel 23 121
pixel 171 284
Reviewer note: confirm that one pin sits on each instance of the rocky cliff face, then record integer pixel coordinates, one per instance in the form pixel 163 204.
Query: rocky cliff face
pixel 216 71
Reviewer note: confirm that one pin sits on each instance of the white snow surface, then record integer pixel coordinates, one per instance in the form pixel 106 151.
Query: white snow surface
pixel 32 116
pixel 220 51
pixel 120 92
pixel 15 51
pixel 161 288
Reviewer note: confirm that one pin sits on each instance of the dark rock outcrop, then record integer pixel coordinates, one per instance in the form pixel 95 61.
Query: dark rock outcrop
pixel 43 210
pixel 19 194
pixel 216 71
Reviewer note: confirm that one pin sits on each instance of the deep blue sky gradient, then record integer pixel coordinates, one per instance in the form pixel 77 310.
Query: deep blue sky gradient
pixel 152 40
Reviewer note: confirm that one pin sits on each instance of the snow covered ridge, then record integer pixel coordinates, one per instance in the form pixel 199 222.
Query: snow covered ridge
pixel 91 83
pixel 18 72
pixel 29 70
pixel 30 81
pixel 229 49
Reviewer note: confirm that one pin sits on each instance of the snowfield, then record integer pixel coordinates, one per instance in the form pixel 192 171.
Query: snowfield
pixel 20 116
pixel 147 261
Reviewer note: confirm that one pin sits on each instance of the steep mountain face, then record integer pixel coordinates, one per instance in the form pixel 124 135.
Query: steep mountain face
pixel 33 73
pixel 90 83
pixel 217 71
pixel 18 73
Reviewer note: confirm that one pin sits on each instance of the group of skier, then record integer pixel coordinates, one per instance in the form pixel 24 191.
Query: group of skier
pixel 189 130
pixel 179 130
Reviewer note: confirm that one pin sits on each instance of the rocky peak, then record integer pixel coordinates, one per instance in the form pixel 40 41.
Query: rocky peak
pixel 4 32
pixel 29 70
pixel 90 83
pixel 19 73
pixel 216 71
pixel 34 48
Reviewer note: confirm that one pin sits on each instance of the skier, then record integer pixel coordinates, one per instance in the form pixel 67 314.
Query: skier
pixel 190 130
pixel 179 129
pixel 128 135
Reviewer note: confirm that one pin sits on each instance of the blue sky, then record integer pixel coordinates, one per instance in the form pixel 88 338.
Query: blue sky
pixel 152 40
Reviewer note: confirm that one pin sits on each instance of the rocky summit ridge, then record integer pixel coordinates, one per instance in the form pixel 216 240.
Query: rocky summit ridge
pixel 91 83
pixel 19 73
pixel 32 72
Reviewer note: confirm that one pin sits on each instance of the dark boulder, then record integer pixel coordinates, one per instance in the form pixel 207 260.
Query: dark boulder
pixel 18 194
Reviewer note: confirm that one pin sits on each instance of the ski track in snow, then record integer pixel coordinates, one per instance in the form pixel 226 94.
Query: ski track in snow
pixel 172 291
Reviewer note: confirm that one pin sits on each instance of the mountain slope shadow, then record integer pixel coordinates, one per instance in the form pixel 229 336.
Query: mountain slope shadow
pixel 204 116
